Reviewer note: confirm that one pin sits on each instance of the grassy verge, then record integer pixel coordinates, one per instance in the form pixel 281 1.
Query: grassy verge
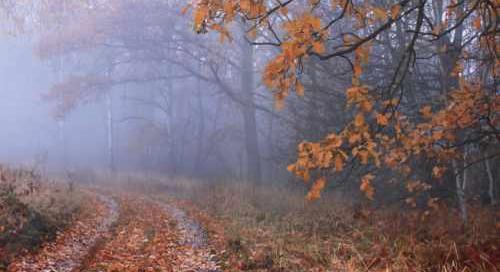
pixel 272 228
pixel 32 210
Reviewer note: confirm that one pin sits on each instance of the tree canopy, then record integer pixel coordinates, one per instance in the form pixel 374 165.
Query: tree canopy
pixel 386 130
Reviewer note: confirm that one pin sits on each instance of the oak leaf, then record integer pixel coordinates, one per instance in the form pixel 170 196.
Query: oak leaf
pixel 426 112
pixel 395 10
pixel 315 191
pixel 382 119
pixel 366 186
pixel 339 163
pixel 380 14
pixel 359 120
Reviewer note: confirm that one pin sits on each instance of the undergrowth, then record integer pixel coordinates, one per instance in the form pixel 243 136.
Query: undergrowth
pixel 273 228
pixel 32 210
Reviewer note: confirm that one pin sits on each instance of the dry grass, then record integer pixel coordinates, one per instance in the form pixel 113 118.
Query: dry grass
pixel 32 210
pixel 272 228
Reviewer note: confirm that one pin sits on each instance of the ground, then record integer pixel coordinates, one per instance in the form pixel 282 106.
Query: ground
pixel 123 232
pixel 184 225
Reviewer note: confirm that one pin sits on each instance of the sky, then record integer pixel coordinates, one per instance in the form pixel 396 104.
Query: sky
pixel 28 128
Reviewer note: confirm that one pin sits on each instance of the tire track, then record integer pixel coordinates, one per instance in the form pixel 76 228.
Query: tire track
pixel 69 249
pixel 144 240
pixel 195 256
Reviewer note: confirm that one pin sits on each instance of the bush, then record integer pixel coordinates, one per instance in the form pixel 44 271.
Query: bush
pixel 32 210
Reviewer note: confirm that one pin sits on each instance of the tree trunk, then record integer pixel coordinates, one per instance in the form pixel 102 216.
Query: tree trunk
pixel 249 120
pixel 110 143
pixel 460 182
pixel 198 167
pixel 491 181
pixel 448 60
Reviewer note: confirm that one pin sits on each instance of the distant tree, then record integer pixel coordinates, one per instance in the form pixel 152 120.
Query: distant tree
pixel 384 134
pixel 120 46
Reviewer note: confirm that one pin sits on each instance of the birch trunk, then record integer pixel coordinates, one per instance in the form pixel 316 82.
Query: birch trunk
pixel 460 181
pixel 491 181
pixel 110 143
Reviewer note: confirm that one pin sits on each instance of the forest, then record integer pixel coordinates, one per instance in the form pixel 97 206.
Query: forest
pixel 249 135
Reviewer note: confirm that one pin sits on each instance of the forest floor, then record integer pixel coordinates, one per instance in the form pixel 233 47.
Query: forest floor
pixel 192 227
pixel 123 232
pixel 274 228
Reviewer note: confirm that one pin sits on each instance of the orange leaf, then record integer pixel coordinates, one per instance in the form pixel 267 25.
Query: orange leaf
pixel 363 155
pixel 334 140
pixel 315 191
pixel 382 119
pixel 313 2
pixel 354 137
pixel 363 53
pixel 395 10
pixel 357 70
pixel 366 105
pixel 318 47
pixel 433 203
pixel 284 10
pixel 359 120
pixel 252 34
pixel 339 163
pixel 426 112
pixel 366 186
pixel 185 9
pixel 438 172
pixel 380 14
pixel 299 88
pixel 477 23
pixel 279 104
pixel 437 135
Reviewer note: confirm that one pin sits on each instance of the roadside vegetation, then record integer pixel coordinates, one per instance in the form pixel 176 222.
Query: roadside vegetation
pixel 273 228
pixel 32 210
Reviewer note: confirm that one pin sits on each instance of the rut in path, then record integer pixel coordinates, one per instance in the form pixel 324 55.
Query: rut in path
pixel 194 239
pixel 69 249
pixel 125 233
pixel 150 236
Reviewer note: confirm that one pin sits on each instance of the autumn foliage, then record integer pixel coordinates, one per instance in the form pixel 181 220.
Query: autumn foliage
pixel 381 133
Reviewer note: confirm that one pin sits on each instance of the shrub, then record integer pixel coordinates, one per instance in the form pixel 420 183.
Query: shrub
pixel 32 210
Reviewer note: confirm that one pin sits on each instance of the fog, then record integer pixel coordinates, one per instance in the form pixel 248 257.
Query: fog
pixel 27 126
pixel 165 135
pixel 141 86
pixel 29 131
pixel 184 125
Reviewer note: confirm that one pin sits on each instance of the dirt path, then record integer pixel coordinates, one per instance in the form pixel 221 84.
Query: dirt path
pixel 152 236
pixel 193 238
pixel 70 247
pixel 125 233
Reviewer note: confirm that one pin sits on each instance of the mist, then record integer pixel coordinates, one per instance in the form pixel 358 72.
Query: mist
pixel 30 131
pixel 246 135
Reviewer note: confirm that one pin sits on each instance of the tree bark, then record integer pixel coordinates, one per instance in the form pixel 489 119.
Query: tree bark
pixel 491 181
pixel 254 173
pixel 201 130
pixel 110 132
pixel 460 182
pixel 448 60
